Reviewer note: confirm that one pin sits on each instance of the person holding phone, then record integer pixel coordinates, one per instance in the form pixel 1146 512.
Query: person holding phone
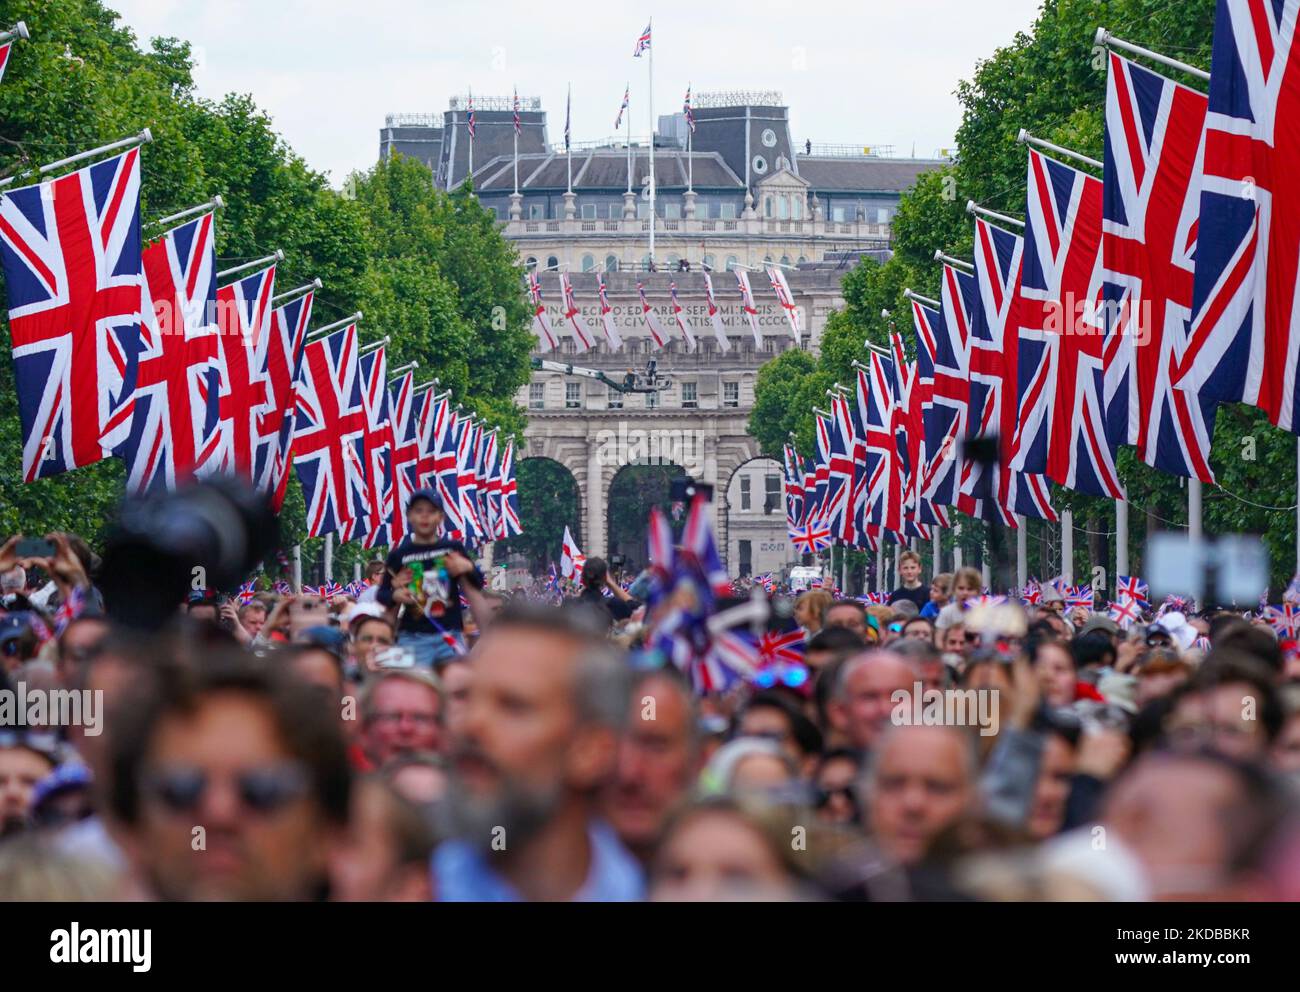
pixel 425 576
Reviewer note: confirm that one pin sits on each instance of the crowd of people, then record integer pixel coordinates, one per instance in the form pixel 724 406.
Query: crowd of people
pixel 432 739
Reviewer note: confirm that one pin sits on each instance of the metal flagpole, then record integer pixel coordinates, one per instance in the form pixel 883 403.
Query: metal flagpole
pixel 651 105
pixel 1194 530
pixel 1067 546
pixel 880 566
pixel 297 568
pixel 956 549
pixel 690 163
pixel 568 151
pixel 628 91
pixel 1121 537
pixel 516 158
pixel 329 558
pixel 356 570
pixel 1022 552
pixel 935 567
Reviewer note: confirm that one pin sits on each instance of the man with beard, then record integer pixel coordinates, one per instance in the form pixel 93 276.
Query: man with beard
pixel 537 741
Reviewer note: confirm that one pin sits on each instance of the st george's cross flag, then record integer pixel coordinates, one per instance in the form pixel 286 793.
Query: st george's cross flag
pixel 74 277
pixel 1151 196
pixel 1245 338
pixel 715 316
pixel 174 422
pixel 571 559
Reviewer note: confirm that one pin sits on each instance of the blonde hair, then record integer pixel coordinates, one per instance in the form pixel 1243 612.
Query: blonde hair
pixel 817 600
pixel 909 555
pixel 968 576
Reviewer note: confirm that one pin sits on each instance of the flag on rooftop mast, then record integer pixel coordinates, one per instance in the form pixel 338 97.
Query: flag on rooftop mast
pixel 568 158
pixel 690 131
pixel 470 122
pixel 516 140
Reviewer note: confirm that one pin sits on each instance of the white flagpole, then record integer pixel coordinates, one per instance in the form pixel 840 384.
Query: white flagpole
pixel 628 91
pixel 1022 553
pixel 690 163
pixel 651 105
pixel 935 567
pixel 568 151
pixel 297 568
pixel 1121 537
pixel 1067 546
pixel 329 557
pixel 1194 529
pixel 516 152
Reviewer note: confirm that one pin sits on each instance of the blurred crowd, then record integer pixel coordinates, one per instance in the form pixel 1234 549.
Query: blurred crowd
pixel 466 745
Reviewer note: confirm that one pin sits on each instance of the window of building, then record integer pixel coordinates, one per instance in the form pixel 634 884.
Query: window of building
pixel 707 261
pixel 652 401
pixel 536 395
pixel 568 346
pixel 690 395
pixel 727 211
pixel 537 211
pixel 588 211
pixel 768 344
pixel 643 209
pixel 611 263
pixel 531 262
pixel 732 262
pixel 785 259
pixel 731 394
pixel 572 395
pixel 746 559
pixel 796 208
pixel 672 210
pixel 588 263
pixel 882 215
pixel 745 496
pixel 615 399
pixel 783 208
pixel 552 262
pixel 615 211
pixel 671 262
pixel 802 259
pixel 771 493
pixel 645 263
pixel 840 215
pixel 702 210
pixel 767 206
pixel 767 259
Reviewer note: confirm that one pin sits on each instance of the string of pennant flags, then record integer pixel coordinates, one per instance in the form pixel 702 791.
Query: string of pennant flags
pixel 146 352
pixel 1121 309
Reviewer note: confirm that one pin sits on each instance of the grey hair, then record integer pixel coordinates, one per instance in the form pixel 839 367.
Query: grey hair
pixel 366 697
pixel 969 752
pixel 857 661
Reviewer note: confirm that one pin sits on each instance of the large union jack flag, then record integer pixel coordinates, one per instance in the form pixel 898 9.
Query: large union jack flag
pixel 941 344
pixel 1149 222
pixel 329 433
pixel 1245 337
pixel 372 517
pixel 1061 430
pixel 284 368
pixel 74 277
pixel 512 526
pixel 244 322
pixel 174 415
pixel 405 454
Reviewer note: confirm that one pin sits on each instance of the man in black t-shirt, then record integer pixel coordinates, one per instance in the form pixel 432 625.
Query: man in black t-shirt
pixel 425 576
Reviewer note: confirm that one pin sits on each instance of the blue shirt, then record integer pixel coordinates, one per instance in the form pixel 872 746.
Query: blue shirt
pixel 461 872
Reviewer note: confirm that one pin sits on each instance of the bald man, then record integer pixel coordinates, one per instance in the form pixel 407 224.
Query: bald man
pixel 860 706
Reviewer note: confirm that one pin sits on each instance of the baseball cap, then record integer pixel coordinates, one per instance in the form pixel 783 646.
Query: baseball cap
pixel 1099 621
pixel 426 494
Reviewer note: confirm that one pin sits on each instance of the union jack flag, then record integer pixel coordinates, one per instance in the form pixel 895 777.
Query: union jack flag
pixel 699 550
pixel 618 121
pixel 516 118
pixel 470 120
pixel 512 525
pixel 874 598
pixel 1032 594
pixel 941 344
pixel 1125 612
pixel 329 433
pixel 74 277
pixel 244 324
pixel 1061 430
pixel 642 43
pixel 541 321
pixel 885 500
pixel 284 369
pixel 440 437
pixel 793 487
pixel 1132 587
pixel 471 529
pixel 247 591
pixel 356 587
pixel 4 57
pixel 1150 198
pixel 174 420
pixel 1078 596
pixel 331 589
pixel 993 358
pixel 840 473
pixel 1245 334
pixel 370 517
pixel 811 537
pixel 282 588
pixel 404 456
pixel 686 109
pixel 1285 619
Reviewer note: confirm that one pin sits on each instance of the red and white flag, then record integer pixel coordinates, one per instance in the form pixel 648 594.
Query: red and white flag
pixel 679 315
pixel 715 317
pixel 606 316
pixel 571 313
pixel 657 330
pixel 541 322
pixel 571 559
pixel 785 298
pixel 747 305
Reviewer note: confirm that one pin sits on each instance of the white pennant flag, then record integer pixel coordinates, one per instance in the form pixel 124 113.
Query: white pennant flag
pixel 715 318
pixel 785 298
pixel 683 324
pixel 580 329
pixel 606 320
pixel 657 330
pixel 541 322
pixel 747 304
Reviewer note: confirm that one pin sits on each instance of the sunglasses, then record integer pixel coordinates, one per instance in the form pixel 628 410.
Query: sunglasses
pixel 261 790
pixel 791 676
pixel 824 796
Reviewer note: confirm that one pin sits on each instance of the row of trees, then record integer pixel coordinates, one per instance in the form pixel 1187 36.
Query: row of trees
pixel 1051 80
pixel 429 269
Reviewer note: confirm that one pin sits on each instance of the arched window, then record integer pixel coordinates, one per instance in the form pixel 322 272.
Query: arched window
pixel 732 262
pixel 530 262
pixel 767 259
pixel 802 259
pixel 796 208
pixel 767 206
pixel 707 260
pixel 552 262
pixel 611 263
pixel 588 262
pixel 672 261
pixel 783 208
pixel 785 259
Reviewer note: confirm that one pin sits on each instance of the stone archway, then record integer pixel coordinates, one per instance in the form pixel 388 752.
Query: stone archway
pixel 550 500
pixel 633 490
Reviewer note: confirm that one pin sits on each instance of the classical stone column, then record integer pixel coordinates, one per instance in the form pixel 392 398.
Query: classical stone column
pixel 595 500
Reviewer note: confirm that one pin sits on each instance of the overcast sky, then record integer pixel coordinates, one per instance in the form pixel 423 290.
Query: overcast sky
pixel 851 71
